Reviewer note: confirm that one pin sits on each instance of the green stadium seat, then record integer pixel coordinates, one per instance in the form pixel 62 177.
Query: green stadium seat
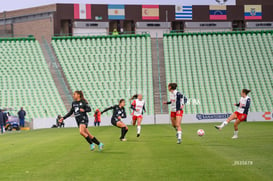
pixel 214 67
pixel 108 68
pixel 26 80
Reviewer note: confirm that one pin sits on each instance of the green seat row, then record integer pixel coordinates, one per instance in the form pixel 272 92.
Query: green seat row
pixel 25 79
pixel 212 68
pixel 108 68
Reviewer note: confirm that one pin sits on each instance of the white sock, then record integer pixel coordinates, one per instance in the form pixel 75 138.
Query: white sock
pixel 138 129
pixel 179 133
pixel 223 124
pixel 236 133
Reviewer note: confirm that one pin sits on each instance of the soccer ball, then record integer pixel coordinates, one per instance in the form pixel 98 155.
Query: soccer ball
pixel 200 132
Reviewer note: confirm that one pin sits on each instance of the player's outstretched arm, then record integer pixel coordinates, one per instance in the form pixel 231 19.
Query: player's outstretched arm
pixel 237 104
pixel 68 114
pixel 107 109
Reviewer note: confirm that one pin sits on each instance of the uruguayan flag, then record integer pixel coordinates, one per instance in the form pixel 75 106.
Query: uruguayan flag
pixel 183 12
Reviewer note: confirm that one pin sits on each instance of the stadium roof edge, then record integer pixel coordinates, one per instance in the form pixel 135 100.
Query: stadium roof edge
pixel 25 11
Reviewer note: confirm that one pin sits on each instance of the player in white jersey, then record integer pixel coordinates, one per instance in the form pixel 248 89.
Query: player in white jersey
pixel 177 102
pixel 240 115
pixel 138 107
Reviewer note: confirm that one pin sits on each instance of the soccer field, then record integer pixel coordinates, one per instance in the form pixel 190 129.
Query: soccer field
pixel 62 154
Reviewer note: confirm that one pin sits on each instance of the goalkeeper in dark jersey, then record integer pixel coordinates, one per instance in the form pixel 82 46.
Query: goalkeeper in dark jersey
pixel 80 108
pixel 118 113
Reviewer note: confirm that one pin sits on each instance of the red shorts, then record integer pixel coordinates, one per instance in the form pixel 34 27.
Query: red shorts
pixel 177 113
pixel 136 117
pixel 240 116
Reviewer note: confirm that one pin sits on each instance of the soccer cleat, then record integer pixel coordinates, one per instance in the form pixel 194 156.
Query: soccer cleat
pixel 234 137
pixel 92 147
pixel 138 135
pixel 123 139
pixel 101 145
pixel 218 127
pixel 179 141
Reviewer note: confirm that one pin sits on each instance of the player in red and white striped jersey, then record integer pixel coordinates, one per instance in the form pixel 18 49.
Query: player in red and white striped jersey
pixel 240 115
pixel 138 107
pixel 177 102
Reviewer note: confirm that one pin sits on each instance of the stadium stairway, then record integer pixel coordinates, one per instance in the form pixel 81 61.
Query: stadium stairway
pixel 158 67
pixel 159 76
pixel 99 57
pixel 57 74
pixel 26 80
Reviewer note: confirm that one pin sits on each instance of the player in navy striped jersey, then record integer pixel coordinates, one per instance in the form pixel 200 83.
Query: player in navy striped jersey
pixel 138 107
pixel 118 113
pixel 240 115
pixel 177 102
pixel 80 108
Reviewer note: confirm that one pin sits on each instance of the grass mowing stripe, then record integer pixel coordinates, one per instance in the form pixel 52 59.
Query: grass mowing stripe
pixel 62 154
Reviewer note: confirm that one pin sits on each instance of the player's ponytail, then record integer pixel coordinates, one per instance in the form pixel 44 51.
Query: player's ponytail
pixel 246 91
pixel 81 96
pixel 133 97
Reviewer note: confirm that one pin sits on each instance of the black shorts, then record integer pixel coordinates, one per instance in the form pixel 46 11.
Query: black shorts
pixel 114 121
pixel 82 121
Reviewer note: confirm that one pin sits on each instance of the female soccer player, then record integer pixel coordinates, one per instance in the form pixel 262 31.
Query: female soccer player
pixel 118 113
pixel 240 115
pixel 80 108
pixel 177 101
pixel 138 106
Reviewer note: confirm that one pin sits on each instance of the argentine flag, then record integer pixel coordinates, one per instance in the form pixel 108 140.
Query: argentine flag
pixel 116 12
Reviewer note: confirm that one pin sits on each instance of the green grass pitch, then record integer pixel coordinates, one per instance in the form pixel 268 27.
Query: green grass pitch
pixel 62 154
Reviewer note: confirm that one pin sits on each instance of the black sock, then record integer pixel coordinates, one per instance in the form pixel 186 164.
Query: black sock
pixel 95 141
pixel 122 133
pixel 88 139
pixel 126 130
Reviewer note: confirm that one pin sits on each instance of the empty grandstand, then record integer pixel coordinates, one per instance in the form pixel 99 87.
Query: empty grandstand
pixel 214 67
pixel 26 80
pixel 107 68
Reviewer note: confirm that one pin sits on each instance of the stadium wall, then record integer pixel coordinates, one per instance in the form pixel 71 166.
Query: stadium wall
pixel 166 13
pixel 158 119
pixel 133 14
pixel 39 28
pixel 35 21
pixel 63 16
